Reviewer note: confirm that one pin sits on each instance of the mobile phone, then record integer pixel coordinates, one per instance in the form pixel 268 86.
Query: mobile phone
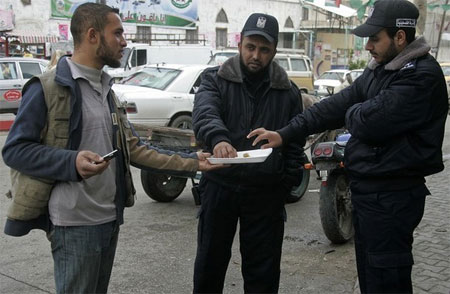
pixel 110 155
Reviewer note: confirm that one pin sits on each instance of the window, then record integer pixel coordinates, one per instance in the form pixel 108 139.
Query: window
pixel 143 33
pixel 139 57
pixel 192 36
pixel 289 23
pixel 305 13
pixel 221 38
pixel 283 62
pixel 287 40
pixel 196 85
pixel 152 77
pixel 222 16
pixel 8 71
pixel 30 69
pixel 298 64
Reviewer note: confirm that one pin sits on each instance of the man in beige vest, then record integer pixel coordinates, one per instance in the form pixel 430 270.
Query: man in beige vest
pixel 68 119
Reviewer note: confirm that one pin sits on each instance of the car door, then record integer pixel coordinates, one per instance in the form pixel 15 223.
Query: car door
pixel 12 82
pixel 10 87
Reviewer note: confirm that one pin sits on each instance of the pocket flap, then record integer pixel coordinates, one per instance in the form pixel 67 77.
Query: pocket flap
pixel 394 259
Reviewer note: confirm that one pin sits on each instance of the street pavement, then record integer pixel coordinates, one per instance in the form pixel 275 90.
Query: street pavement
pixel 157 246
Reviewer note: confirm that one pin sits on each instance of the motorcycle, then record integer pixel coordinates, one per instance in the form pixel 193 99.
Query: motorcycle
pixel 335 206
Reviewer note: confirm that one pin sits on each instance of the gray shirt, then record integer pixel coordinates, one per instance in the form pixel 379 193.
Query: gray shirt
pixel 90 201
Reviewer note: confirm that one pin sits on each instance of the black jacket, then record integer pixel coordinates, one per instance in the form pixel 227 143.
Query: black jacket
pixel 225 111
pixel 396 115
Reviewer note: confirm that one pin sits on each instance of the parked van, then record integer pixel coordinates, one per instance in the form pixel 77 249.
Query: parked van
pixel 136 55
pixel 297 66
pixel 299 70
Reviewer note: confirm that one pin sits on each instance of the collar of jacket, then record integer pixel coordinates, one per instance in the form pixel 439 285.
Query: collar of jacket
pixel 230 70
pixel 417 48
pixel 63 73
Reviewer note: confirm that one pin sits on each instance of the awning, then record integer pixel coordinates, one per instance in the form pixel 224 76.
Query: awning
pixel 34 38
pixel 342 10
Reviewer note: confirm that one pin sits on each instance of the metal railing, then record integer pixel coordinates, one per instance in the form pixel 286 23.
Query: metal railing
pixel 160 39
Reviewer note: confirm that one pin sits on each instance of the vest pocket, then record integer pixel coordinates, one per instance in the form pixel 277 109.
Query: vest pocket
pixel 60 130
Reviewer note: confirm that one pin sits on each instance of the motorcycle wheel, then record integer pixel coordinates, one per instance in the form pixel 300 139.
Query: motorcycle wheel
pixel 335 209
pixel 298 192
pixel 162 188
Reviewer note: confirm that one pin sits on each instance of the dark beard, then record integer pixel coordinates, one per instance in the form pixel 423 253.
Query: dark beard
pixel 390 54
pixel 105 54
pixel 252 75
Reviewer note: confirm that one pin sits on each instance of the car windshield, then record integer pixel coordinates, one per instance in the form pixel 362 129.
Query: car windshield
pixel 356 74
pixel 220 57
pixel 446 70
pixel 152 77
pixel 332 76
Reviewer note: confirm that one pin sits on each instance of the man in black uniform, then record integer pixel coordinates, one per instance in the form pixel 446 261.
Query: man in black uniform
pixel 396 114
pixel 246 92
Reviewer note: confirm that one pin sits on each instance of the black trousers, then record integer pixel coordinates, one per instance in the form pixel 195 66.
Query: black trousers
pixel 384 225
pixel 261 218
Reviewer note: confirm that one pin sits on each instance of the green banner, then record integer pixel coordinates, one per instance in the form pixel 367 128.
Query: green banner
pixel 65 8
pixel 173 13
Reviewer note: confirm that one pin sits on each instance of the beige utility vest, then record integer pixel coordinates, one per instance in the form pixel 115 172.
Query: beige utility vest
pixel 30 195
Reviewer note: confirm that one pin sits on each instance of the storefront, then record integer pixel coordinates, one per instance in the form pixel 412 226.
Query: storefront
pixel 17 44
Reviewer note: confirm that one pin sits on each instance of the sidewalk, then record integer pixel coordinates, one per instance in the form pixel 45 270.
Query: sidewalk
pixel 431 248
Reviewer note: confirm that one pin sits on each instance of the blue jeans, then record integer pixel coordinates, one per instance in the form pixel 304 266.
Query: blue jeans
pixel 83 257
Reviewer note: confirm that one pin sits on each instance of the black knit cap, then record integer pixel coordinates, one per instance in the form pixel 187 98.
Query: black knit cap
pixel 261 24
pixel 388 14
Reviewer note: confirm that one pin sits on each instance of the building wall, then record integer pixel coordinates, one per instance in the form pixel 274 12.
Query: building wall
pixel 332 51
pixel 37 17
pixel 33 18
pixel 237 12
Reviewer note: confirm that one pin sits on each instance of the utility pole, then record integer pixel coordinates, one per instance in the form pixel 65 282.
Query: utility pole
pixel 440 31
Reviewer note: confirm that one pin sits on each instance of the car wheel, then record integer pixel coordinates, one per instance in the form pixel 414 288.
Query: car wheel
pixel 162 188
pixel 182 122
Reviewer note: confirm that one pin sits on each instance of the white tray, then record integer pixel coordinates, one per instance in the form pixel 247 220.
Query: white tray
pixel 254 156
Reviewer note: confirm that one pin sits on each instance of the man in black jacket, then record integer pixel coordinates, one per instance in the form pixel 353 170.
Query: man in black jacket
pixel 246 92
pixel 396 114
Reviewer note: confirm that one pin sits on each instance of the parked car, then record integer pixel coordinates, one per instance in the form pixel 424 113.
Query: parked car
pixel 14 73
pixel 336 79
pixel 161 95
pixel 137 55
pixel 297 66
pixel 220 56
pixel 355 73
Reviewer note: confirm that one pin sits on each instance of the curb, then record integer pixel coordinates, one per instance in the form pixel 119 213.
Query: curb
pixel 5 125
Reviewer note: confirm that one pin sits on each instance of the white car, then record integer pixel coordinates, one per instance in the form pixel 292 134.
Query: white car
pixel 161 95
pixel 14 73
pixel 336 80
